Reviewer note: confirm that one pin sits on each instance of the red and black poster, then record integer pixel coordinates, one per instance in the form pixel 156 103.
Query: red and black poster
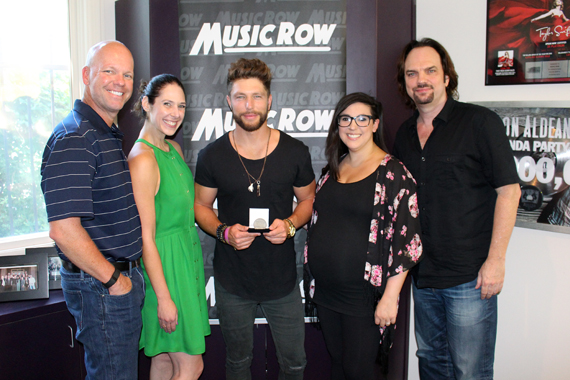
pixel 528 41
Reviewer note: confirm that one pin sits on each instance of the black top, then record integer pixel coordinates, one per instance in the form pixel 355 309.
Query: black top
pixel 263 271
pixel 338 245
pixel 466 157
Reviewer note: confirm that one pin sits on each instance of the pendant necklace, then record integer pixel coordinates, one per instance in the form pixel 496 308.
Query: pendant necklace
pixel 256 181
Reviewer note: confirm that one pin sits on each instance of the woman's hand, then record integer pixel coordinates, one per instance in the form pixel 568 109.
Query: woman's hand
pixel 167 315
pixel 386 311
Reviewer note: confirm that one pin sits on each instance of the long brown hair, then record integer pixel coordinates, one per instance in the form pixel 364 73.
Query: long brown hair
pixel 446 64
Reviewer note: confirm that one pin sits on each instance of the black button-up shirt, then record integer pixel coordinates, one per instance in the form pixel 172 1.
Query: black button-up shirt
pixel 466 157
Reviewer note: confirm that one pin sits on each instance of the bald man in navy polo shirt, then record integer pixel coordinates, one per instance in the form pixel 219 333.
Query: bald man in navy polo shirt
pixel 93 217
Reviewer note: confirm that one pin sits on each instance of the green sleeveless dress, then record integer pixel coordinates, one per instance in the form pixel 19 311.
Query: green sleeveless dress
pixel 181 255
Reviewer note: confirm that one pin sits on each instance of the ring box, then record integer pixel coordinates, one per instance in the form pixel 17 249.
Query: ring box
pixel 258 220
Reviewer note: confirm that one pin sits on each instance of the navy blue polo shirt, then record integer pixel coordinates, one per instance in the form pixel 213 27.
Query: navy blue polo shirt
pixel 466 157
pixel 85 174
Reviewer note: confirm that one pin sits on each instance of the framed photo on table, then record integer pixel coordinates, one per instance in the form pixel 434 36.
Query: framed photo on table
pixel 24 277
pixel 54 266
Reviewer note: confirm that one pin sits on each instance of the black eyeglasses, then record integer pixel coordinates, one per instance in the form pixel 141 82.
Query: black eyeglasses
pixel 361 120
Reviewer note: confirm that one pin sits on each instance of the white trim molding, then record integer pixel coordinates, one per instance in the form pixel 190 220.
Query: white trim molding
pixel 16 245
pixel 90 21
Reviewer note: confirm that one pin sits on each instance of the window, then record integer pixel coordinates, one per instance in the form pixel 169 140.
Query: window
pixel 35 94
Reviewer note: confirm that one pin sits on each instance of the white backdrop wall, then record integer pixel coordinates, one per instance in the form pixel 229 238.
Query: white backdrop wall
pixel 534 306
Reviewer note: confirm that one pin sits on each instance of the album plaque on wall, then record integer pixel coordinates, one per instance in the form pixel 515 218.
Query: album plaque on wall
pixel 528 41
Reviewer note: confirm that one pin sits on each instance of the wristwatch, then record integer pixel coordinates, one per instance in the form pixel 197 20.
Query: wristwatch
pixel 113 279
pixel 291 229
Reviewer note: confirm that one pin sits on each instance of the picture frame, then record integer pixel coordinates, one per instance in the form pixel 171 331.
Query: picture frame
pixel 539 135
pixel 527 43
pixel 24 277
pixel 54 266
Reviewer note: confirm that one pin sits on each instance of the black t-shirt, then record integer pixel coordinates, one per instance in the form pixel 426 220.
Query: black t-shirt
pixel 466 157
pixel 264 271
pixel 338 245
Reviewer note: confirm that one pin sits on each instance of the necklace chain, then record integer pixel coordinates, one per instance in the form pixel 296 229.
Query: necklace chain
pixel 257 181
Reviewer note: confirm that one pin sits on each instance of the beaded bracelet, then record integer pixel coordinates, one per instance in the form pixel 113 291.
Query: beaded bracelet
pixel 220 232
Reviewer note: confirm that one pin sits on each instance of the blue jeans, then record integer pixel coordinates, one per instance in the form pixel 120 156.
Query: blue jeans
pixel 286 321
pixel 108 326
pixel 455 332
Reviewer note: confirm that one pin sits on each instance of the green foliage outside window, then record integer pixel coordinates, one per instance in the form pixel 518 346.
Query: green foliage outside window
pixel 38 101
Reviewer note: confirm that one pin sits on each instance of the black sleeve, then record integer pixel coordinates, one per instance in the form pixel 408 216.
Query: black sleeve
pixel 496 152
pixel 204 176
pixel 305 173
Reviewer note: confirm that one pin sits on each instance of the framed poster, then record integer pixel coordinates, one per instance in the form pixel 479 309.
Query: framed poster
pixel 528 41
pixel 539 134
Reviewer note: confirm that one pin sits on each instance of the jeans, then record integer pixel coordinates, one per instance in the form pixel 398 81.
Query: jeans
pixel 108 326
pixel 456 332
pixel 286 321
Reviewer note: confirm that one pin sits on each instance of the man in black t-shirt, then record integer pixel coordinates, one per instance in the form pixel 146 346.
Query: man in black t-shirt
pixel 255 167
pixel 468 194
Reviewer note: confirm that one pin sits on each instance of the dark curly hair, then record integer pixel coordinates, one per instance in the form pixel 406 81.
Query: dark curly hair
pixel 152 91
pixel 446 64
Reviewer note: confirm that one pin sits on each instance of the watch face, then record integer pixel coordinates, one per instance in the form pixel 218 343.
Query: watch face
pixel 290 229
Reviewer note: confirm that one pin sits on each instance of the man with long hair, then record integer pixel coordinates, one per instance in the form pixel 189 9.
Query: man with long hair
pixel 468 194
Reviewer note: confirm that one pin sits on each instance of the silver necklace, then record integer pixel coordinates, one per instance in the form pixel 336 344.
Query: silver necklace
pixel 256 181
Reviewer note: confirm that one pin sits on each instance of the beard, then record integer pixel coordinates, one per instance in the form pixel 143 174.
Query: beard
pixel 251 127
pixel 425 98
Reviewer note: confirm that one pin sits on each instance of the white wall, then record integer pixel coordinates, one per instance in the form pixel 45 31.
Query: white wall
pixel 533 331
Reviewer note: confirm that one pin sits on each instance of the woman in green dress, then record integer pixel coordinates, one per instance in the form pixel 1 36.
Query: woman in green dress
pixel 175 315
